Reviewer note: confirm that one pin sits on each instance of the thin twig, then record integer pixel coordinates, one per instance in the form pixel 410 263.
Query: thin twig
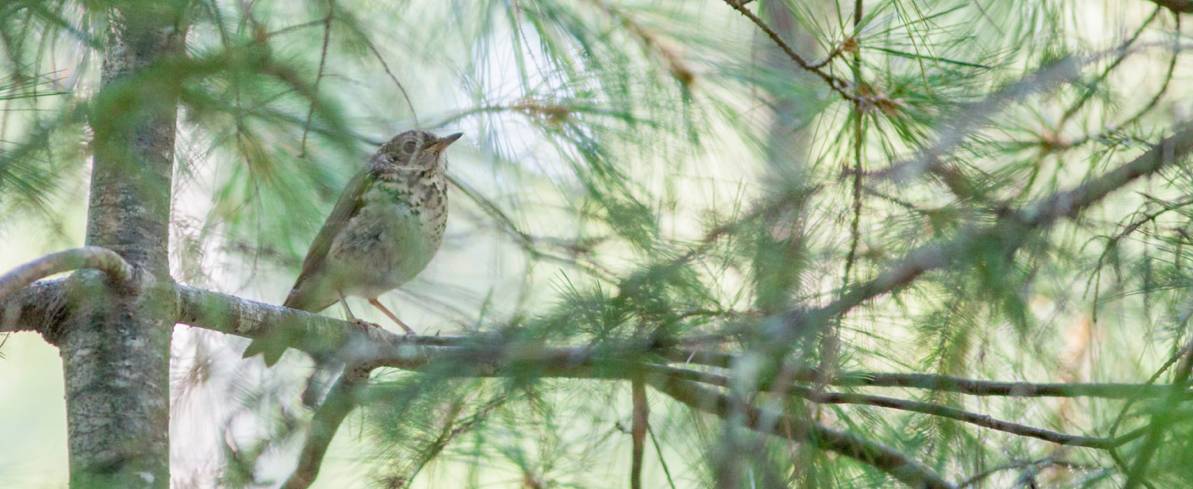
pixel 639 423
pixel 968 117
pixel 1092 87
pixel 940 383
pixel 1010 231
pixel 982 420
pixel 945 383
pixel 829 343
pixel 1180 353
pixel 1161 421
pixel 837 51
pixel 676 65
pixel 1038 464
pixel 659 453
pixel 295 27
pixel 836 84
pixel 451 431
pixel 331 10
pixel 886 459
pixel 858 140
pixel 1151 104
pixel 392 76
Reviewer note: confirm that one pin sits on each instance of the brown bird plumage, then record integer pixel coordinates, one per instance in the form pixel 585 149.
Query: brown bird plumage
pixel 384 229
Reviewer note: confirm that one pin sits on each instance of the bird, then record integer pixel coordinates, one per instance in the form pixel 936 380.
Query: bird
pixel 383 231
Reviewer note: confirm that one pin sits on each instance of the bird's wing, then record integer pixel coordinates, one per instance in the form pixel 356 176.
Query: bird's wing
pixel 270 345
pixel 345 209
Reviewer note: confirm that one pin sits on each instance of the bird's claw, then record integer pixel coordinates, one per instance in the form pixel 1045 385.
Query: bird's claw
pixel 365 325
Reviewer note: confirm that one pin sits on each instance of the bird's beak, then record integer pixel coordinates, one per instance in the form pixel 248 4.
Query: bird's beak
pixel 443 142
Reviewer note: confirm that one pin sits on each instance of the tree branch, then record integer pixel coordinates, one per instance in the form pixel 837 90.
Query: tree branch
pixel 982 420
pixel 638 426
pixel 942 383
pixel 1010 231
pixel 977 419
pixel 314 333
pixel 946 383
pixel 380 348
pixel 491 356
pixel 302 330
pixel 879 456
pixel 1035 464
pixel 376 347
pixel 331 11
pixel 969 117
pixel 1178 6
pixel 40 307
pixel 64 261
pixel 1161 421
pixel 340 401
pixel 836 84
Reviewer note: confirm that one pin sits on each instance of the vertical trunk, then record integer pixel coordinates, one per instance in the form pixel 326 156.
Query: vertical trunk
pixel 781 253
pixel 115 348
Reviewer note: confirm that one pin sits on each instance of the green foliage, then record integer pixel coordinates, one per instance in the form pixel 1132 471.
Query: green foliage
pixel 650 170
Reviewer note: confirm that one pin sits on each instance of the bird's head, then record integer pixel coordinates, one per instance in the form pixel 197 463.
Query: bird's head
pixel 413 151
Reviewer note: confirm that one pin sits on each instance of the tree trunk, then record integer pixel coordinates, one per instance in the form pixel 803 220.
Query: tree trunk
pixel 115 347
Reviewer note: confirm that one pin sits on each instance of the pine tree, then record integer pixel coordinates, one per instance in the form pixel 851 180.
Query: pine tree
pixel 716 243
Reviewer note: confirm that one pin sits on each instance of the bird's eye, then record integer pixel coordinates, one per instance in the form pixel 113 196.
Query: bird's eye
pixel 409 146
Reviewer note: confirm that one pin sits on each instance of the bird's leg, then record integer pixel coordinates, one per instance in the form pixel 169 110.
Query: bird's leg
pixel 347 311
pixel 376 303
pixel 351 317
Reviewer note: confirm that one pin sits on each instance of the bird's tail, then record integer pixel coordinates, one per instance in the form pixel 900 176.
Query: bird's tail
pixel 271 350
pixel 272 346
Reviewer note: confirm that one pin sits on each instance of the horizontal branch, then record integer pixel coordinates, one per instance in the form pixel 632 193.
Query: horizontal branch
pixel 962 415
pixel 1178 6
pixel 1009 232
pixel 309 332
pixel 941 383
pixel 95 257
pixel 982 420
pixel 314 333
pixel 884 458
pixel 481 358
pixel 39 307
pixel 494 355
pixel 969 117
pixel 1034 464
pixel 947 383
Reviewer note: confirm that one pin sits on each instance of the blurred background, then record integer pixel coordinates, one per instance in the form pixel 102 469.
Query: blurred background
pixel 622 158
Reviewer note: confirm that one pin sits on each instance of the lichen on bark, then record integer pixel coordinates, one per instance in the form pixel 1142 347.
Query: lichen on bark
pixel 115 347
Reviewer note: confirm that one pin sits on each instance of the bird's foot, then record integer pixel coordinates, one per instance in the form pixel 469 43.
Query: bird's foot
pixel 365 325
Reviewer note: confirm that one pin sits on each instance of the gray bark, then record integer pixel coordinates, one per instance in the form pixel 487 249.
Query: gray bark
pixel 115 347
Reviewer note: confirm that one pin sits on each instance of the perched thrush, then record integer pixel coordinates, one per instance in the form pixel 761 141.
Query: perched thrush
pixel 383 231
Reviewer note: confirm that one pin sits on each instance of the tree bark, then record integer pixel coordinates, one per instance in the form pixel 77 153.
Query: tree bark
pixel 1178 6
pixel 116 346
